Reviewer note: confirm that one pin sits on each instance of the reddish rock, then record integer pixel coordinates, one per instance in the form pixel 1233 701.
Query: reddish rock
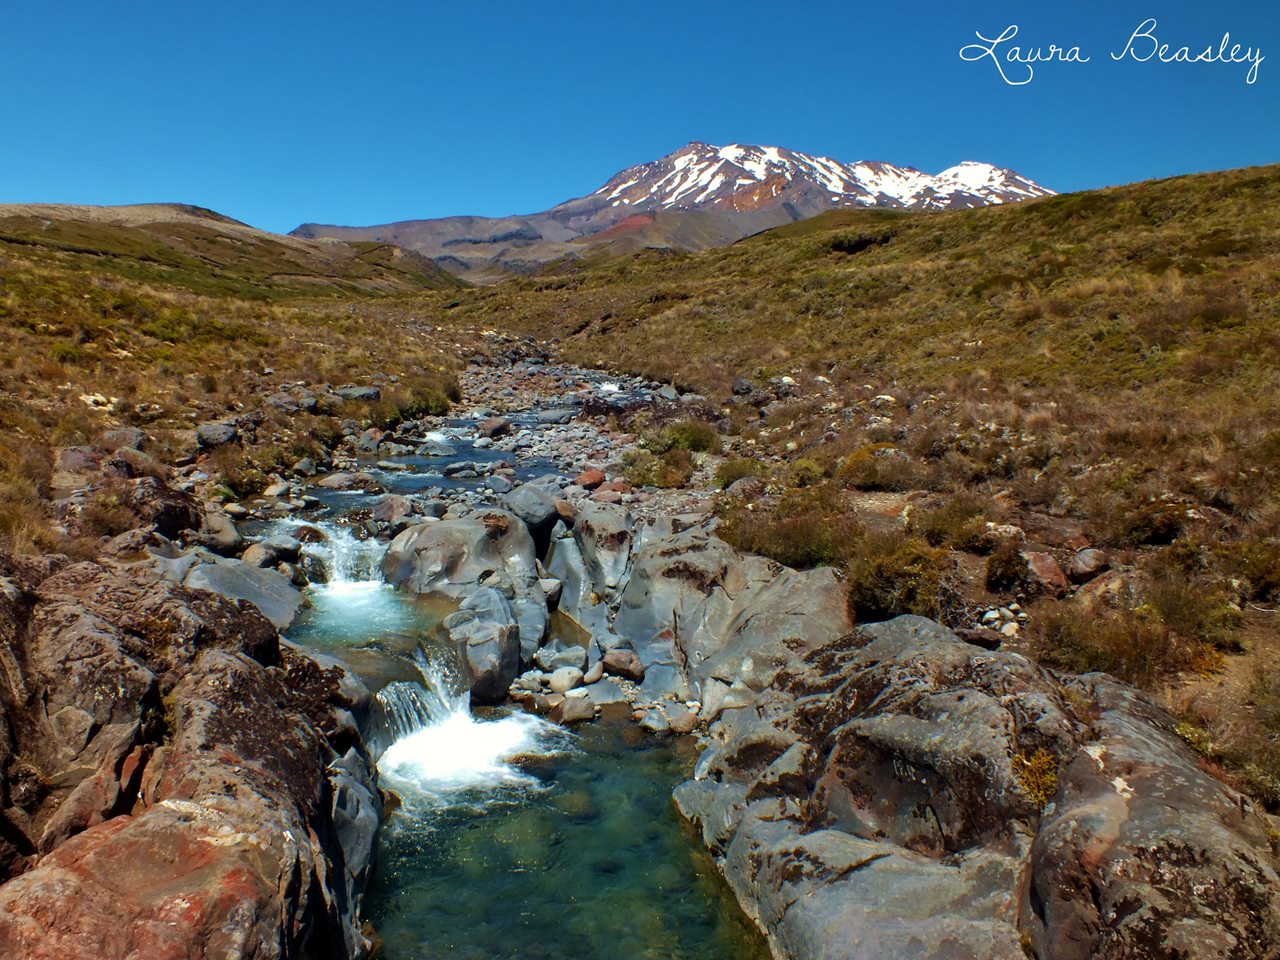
pixel 606 496
pixel 566 511
pixel 590 479
pixel 189 801
pixel 616 486
pixel 494 427
pixel 623 663
pixel 1045 574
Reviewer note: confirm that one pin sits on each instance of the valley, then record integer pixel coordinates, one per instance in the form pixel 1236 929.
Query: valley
pixel 902 579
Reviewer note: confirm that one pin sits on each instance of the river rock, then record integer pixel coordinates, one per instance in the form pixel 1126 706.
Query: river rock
pixel 573 710
pixel 272 551
pixel 537 508
pixel 565 679
pixel 494 427
pixel 487 639
pixel 623 663
pixel 219 532
pixel 268 590
pixel 692 599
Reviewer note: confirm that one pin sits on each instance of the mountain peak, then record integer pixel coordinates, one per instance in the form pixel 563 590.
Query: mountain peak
pixel 747 176
pixel 700 195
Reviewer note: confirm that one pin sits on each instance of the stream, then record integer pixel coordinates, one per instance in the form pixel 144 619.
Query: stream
pixel 512 837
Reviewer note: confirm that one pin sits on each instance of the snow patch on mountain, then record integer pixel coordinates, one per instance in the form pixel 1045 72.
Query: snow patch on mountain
pixel 700 175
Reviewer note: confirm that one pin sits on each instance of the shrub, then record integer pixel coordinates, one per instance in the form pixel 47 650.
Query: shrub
pixel 106 516
pixel 1257 564
pixel 1006 568
pixel 807 528
pixel 1195 612
pixel 878 467
pixel 805 473
pixel 695 435
pixel 850 243
pixel 960 523
pixel 735 469
pixel 1037 775
pixel 1131 645
pixel 890 575
pixel 673 469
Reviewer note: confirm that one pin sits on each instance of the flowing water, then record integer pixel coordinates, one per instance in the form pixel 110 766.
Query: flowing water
pixel 513 838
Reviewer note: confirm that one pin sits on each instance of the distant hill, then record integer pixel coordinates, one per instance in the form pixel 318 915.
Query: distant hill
pixel 210 253
pixel 698 197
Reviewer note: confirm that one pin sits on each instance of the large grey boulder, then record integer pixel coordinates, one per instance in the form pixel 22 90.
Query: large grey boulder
pixel 268 590
pixel 692 599
pixel 487 639
pixel 454 558
pixel 533 504
pixel 210 435
pixel 898 792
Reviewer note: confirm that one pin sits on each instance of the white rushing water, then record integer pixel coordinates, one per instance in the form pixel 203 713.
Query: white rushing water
pixel 436 747
pixel 439 748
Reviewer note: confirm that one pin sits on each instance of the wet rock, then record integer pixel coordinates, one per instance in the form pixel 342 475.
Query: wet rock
pixel 558 415
pixel 271 552
pixel 494 427
pixel 681 719
pixel 391 508
pixel 487 639
pixel 573 710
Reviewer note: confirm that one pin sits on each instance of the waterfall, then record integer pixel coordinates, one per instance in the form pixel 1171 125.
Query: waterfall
pixel 437 747
pixel 408 706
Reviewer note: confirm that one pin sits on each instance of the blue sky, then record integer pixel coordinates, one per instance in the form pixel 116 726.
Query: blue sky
pixel 281 112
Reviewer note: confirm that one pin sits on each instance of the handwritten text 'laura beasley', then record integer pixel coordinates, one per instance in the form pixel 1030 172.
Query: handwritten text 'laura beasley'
pixel 1015 63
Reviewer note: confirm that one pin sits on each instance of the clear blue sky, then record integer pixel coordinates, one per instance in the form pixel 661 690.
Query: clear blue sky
pixel 358 113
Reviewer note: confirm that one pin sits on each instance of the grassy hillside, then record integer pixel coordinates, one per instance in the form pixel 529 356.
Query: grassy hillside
pixel 175 317
pixel 205 252
pixel 1153 285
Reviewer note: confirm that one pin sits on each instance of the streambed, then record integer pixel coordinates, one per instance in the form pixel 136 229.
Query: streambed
pixel 513 838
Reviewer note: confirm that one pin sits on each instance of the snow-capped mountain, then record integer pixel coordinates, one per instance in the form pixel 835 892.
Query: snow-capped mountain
pixel 700 196
pixel 742 177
